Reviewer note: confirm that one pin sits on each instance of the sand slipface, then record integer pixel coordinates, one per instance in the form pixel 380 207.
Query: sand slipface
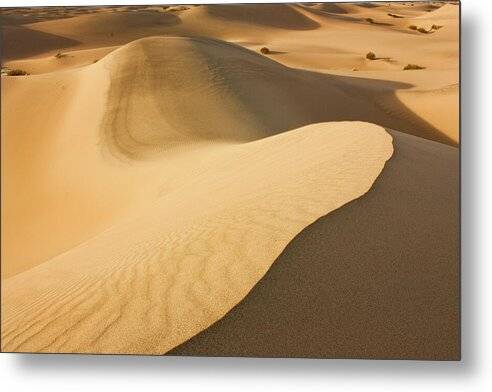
pixel 357 283
pixel 161 176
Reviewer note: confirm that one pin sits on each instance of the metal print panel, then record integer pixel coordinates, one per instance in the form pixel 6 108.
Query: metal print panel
pixel 266 180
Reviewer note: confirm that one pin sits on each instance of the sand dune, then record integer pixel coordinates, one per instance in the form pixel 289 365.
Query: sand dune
pixel 157 186
pixel 321 42
pixel 149 90
pixel 154 171
pixel 69 59
pixel 434 107
pixel 151 282
pixel 283 16
pixel 351 284
pixel 328 7
pixel 106 25
pixel 19 41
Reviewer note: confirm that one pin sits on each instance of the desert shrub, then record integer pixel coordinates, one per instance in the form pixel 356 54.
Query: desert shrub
pixel 412 67
pixel 435 27
pixel 371 56
pixel 422 30
pixel 370 20
pixel 413 27
pixel 59 55
pixel 265 50
pixel 16 72
pixel 178 8
pixel 394 15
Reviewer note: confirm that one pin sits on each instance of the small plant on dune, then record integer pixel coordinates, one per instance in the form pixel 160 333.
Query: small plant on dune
pixel 371 56
pixel 16 72
pixel 412 67
pixel 265 50
pixel 422 30
pixel 435 27
pixel 370 20
pixel 95 61
pixel 413 27
pixel 59 55
pixel 394 15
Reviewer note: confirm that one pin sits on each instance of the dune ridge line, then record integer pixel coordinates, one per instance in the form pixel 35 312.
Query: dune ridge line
pixel 152 283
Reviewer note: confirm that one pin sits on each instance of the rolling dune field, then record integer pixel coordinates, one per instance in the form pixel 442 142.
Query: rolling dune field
pixel 231 180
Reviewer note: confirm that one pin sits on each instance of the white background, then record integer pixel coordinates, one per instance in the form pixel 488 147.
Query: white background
pixel 39 373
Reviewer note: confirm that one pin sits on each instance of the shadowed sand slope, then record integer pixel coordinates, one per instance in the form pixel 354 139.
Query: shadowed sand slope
pixel 108 26
pixel 375 279
pixel 285 16
pixel 156 84
pixel 19 41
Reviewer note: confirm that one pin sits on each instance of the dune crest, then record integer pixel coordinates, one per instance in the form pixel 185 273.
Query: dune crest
pixel 282 16
pixel 150 283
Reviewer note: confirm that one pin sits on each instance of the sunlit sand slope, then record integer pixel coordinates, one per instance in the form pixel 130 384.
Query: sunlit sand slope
pixel 130 231
pixel 150 283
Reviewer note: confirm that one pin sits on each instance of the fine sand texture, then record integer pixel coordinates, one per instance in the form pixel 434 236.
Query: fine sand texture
pixel 169 187
pixel 356 284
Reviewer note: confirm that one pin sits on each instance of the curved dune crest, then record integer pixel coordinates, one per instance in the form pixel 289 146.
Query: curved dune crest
pixel 150 283
pixel 157 83
pixel 331 8
pixel 283 16
pixel 107 24
pixel 146 100
pixel 359 271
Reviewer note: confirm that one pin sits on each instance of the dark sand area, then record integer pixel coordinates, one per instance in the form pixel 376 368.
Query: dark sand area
pixel 378 278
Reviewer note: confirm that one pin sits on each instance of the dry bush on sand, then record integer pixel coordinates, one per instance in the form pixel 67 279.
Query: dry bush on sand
pixel 412 67
pixel 16 72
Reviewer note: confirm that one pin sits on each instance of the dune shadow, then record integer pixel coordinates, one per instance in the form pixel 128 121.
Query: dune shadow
pixel 343 289
pixel 281 16
pixel 20 41
pixel 362 99
pixel 368 5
